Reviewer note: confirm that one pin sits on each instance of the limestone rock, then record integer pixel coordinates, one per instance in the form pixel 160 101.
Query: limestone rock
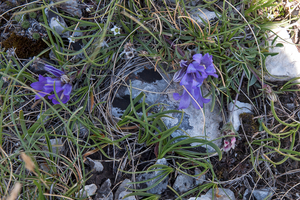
pixel 285 65
pixel 183 183
pixel 158 189
pixel 105 193
pixel 122 189
pixel 159 89
pixel 88 190
pixel 259 194
pixel 240 108
pixel 223 194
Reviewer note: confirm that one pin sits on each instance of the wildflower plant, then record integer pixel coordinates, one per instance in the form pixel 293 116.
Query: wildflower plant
pixel 60 85
pixel 116 30
pixel 191 76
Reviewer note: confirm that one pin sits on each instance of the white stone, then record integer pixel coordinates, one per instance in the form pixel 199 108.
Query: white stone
pixel 183 183
pixel 223 194
pixel 285 65
pixel 200 179
pixel 160 91
pixel 240 108
pixel 122 188
pixel 72 7
pixel 56 22
pixel 56 145
pixel 196 14
pixel 260 194
pixel 98 167
pixel 105 193
pixel 162 185
pixel 196 123
pixel 88 190
pixel 123 194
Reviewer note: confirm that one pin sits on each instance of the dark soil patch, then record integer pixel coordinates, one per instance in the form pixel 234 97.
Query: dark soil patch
pixel 24 46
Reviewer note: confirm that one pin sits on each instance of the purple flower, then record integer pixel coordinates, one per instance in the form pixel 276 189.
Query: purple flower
pixel 191 75
pixel 186 97
pixel 207 62
pixel 46 85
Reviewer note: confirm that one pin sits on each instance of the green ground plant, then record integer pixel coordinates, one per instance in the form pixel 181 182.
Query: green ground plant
pixel 237 41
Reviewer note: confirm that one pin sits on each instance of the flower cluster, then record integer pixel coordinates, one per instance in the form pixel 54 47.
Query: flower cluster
pixel 191 76
pixel 46 85
pixel 229 141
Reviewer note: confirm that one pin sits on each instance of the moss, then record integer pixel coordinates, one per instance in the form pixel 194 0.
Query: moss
pixel 25 24
pixel 251 126
pixel 31 6
pixel 25 47
pixel 36 36
pixel 18 18
pixel 41 18
pixel 32 15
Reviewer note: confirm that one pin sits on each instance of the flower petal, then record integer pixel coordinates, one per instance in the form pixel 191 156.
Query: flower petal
pixel 176 96
pixel 67 89
pixel 53 97
pixel 210 70
pixel 233 140
pixel 183 63
pixel 54 71
pixel 226 146
pixel 186 79
pixel 40 84
pixel 65 99
pixel 207 60
pixel 178 75
pixel 185 100
pixel 197 57
pixel 59 86
pixel 40 95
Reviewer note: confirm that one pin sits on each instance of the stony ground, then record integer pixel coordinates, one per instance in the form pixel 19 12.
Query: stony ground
pixel 121 134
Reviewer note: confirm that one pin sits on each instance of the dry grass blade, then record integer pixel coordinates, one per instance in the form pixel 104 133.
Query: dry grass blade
pixel 15 191
pixel 29 164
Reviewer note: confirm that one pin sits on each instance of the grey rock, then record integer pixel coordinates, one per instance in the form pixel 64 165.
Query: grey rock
pixel 201 15
pixel 105 193
pixel 158 89
pixel 123 194
pixel 194 123
pixel 285 65
pixel 240 108
pixel 260 194
pixel 56 145
pixel 123 187
pixel 56 22
pixel 87 191
pixel 223 194
pixel 80 130
pixel 95 165
pixel 183 183
pixel 72 7
pixel 200 179
pixel 162 185
pixel 38 66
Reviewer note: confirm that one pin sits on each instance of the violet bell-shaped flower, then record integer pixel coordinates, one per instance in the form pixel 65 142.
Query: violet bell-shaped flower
pixel 186 97
pixel 191 76
pixel 46 85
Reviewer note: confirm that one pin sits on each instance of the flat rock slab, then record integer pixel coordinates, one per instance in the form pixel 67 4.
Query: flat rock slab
pixel 162 185
pixel 159 89
pixel 183 183
pixel 285 65
pixel 223 194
